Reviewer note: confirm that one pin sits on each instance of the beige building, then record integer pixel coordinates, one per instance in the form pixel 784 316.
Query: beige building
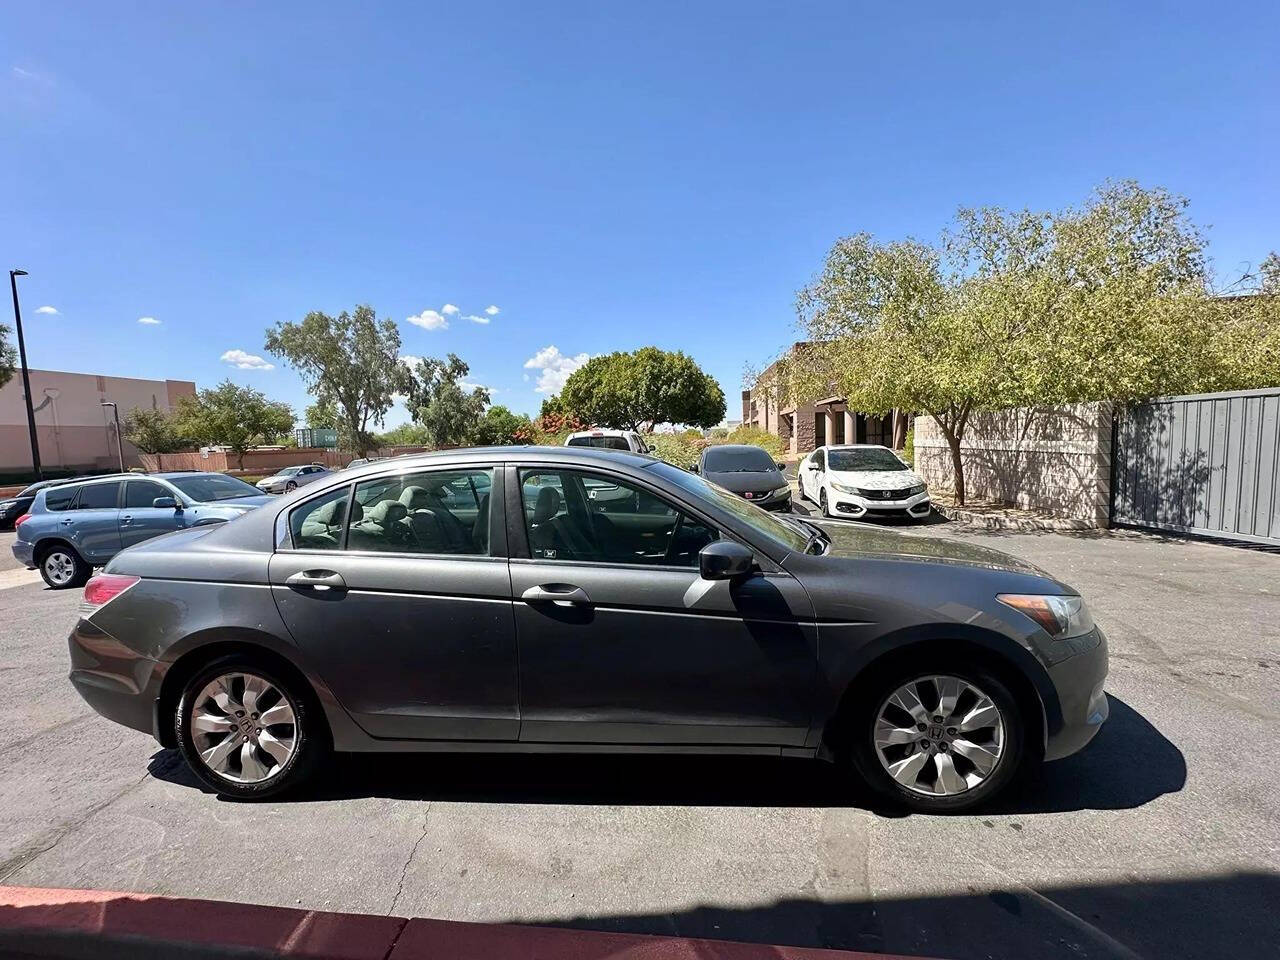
pixel 805 427
pixel 75 431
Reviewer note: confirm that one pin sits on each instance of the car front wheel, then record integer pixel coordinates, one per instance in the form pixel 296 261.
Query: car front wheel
pixel 62 568
pixel 246 731
pixel 290 487
pixel 822 503
pixel 939 742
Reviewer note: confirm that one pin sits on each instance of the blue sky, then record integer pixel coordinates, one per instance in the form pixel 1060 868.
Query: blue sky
pixel 607 175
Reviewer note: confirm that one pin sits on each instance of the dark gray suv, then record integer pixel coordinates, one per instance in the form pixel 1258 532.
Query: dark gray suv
pixel 573 599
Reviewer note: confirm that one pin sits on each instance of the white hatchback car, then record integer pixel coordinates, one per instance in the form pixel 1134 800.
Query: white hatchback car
pixel 860 480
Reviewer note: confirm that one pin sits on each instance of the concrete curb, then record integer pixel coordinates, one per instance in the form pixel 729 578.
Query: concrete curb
pixel 98 924
pixel 1001 521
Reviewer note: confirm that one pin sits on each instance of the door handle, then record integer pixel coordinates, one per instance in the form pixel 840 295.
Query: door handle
pixel 561 594
pixel 66 521
pixel 127 518
pixel 316 580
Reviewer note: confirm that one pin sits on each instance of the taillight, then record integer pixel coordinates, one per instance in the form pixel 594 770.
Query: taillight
pixel 17 523
pixel 102 588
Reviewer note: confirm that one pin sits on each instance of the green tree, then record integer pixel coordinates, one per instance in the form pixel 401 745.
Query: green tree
pixel 8 356
pixel 1109 301
pixel 405 435
pixel 233 416
pixel 351 361
pixel 441 404
pixel 153 431
pixel 635 391
pixel 322 415
pixel 500 427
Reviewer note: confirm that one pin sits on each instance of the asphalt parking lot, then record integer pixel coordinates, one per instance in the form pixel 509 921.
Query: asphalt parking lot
pixel 1161 839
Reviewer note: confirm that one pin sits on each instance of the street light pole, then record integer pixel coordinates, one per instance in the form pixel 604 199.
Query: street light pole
pixel 116 413
pixel 26 378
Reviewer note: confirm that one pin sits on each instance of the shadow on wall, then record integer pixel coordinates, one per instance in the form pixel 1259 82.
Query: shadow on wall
pixel 1129 764
pixel 1160 478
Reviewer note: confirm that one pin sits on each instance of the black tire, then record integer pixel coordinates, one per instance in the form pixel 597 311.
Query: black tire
pixel 822 502
pixel 861 749
pixel 56 561
pixel 311 740
pixel 290 487
pixel 800 486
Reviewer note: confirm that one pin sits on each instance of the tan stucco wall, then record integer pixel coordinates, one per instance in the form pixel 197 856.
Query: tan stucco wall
pixel 1054 460
pixel 74 429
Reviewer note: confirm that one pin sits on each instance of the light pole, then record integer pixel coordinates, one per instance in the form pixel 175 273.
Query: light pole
pixel 26 378
pixel 116 413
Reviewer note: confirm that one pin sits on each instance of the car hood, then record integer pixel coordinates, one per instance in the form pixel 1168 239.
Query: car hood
pixel 857 540
pixel 876 479
pixel 761 481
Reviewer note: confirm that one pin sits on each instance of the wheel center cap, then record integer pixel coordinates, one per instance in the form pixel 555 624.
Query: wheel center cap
pixel 246 725
pixel 935 733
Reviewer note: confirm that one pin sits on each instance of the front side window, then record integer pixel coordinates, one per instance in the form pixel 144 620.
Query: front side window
pixel 140 493
pixel 585 517
pixel 318 524
pixel 433 512
pixel 98 496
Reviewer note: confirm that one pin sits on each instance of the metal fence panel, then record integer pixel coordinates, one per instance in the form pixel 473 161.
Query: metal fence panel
pixel 1208 464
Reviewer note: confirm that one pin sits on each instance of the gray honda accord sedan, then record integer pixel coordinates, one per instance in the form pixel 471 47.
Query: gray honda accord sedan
pixel 572 599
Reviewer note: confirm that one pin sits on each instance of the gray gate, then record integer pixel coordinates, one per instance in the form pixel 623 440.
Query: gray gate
pixel 1208 464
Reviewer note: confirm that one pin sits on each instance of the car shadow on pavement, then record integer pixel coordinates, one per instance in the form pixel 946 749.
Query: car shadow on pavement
pixel 1229 916
pixel 1130 763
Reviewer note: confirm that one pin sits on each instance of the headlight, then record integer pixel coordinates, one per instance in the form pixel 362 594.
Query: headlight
pixel 782 491
pixel 1062 617
pixel 917 489
pixel 843 489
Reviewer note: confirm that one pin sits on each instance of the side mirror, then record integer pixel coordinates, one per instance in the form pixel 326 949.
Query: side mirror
pixel 781 466
pixel 725 560
pixel 693 468
pixel 165 503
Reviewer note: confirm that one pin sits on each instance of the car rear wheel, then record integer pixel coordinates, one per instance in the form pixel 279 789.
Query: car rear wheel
pixel 939 741
pixel 246 731
pixel 62 568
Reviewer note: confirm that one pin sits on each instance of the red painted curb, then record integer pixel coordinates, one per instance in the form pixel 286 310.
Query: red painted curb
pixel 103 925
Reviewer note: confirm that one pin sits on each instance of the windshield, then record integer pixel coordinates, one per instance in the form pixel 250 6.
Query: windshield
pixel 288 472
pixel 760 520
pixel 608 443
pixel 865 458
pixel 737 460
pixel 211 487
pixel 32 490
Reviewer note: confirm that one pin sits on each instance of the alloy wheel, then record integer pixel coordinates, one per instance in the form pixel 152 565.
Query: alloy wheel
pixel 939 735
pixel 60 567
pixel 244 728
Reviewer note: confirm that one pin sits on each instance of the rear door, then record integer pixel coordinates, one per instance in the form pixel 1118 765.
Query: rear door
pixel 93 522
pixel 621 641
pixel 406 610
pixel 139 520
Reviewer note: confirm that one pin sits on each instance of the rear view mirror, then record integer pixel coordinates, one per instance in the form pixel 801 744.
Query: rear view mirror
pixel 165 503
pixel 725 560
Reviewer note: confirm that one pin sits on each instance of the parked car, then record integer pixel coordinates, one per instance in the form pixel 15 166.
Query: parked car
pixel 73 527
pixel 747 471
pixel 361 461
pixel 291 478
pixel 862 480
pixel 608 440
pixel 479 599
pixel 20 503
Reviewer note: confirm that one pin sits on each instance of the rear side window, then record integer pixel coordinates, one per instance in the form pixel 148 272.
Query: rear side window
pixel 98 496
pixel 59 498
pixel 435 512
pixel 606 443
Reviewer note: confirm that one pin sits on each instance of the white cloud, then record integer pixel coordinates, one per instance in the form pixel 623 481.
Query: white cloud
pixel 412 362
pixel 554 368
pixel 149 321
pixel 526 378
pixel 429 320
pixel 491 310
pixel 246 361
pixel 52 311
pixel 476 318
pixel 448 309
pixel 472 385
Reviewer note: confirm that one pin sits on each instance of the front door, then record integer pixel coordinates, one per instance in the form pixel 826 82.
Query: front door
pixel 621 641
pixel 93 524
pixel 406 611
pixel 139 520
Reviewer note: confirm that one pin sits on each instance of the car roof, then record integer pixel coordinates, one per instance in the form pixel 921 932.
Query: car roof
pixel 170 474
pixel 855 446
pixel 570 456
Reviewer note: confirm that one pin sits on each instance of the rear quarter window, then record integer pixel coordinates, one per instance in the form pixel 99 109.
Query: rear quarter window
pixel 60 498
